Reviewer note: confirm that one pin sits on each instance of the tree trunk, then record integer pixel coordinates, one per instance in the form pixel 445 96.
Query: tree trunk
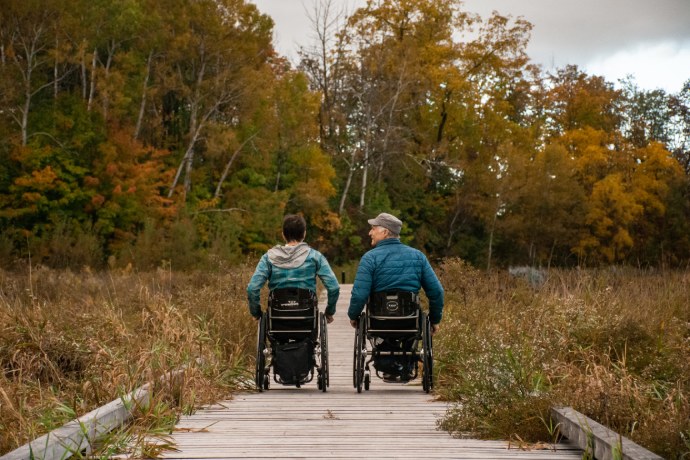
pixel 55 69
pixel 105 97
pixel 348 182
pixel 451 229
pixel 142 106
pixel 365 163
pixel 92 90
pixel 491 242
pixel 25 113
pixel 229 164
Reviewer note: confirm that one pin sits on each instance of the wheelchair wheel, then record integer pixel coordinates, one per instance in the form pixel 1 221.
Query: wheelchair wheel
pixel 360 355
pixel 367 381
pixel 261 377
pixel 427 355
pixel 354 358
pixel 323 339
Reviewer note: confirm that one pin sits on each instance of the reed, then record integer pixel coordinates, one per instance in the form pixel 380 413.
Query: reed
pixel 71 342
pixel 612 343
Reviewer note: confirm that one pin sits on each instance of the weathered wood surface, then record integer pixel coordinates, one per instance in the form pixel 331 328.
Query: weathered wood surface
pixel 77 435
pixel 604 443
pixel 388 421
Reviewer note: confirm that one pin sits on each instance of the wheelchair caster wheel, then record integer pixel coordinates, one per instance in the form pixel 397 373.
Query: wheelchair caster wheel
pixel 321 382
pixel 367 381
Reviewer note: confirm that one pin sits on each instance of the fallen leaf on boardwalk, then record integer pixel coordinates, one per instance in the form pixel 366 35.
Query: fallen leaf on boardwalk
pixel 330 415
pixel 524 445
pixel 194 430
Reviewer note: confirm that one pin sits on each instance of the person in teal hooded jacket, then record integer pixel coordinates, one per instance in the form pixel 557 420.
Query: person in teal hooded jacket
pixel 394 266
pixel 293 265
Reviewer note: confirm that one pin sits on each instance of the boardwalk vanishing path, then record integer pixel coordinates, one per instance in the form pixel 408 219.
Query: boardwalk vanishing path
pixel 388 421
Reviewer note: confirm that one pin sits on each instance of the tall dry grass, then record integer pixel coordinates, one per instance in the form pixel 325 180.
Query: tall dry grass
pixel 614 344
pixel 71 342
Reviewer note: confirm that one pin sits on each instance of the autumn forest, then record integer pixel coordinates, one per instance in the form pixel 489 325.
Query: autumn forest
pixel 170 131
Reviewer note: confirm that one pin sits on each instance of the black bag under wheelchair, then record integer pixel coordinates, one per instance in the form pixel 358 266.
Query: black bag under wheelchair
pixel 292 340
pixel 394 335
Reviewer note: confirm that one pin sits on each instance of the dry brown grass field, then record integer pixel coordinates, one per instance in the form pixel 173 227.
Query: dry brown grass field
pixel 71 342
pixel 612 343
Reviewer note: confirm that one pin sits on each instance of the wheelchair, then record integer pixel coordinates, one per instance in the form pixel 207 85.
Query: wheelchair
pixel 393 317
pixel 292 341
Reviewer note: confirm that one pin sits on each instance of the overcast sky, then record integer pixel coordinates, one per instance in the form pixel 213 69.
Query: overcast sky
pixel 649 39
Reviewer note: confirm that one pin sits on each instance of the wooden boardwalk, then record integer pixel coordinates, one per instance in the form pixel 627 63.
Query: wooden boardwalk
pixel 388 421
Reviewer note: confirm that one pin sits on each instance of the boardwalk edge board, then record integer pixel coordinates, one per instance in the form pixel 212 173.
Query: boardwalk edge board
pixel 77 435
pixel 595 438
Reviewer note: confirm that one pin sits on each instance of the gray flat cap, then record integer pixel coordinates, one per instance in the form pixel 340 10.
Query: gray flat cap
pixel 388 221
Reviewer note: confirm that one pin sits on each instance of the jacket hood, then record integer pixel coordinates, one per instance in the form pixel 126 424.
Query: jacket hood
pixel 288 256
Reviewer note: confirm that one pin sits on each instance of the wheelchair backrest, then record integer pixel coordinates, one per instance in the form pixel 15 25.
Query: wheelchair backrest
pixel 291 301
pixel 393 313
pixel 393 304
pixel 292 313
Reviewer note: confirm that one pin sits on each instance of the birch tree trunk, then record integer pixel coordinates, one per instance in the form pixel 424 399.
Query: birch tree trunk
pixel 105 96
pixel 348 182
pixel 92 89
pixel 144 92
pixel 363 193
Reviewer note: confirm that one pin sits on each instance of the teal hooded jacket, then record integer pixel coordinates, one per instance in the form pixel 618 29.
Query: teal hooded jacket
pixel 292 267
pixel 392 265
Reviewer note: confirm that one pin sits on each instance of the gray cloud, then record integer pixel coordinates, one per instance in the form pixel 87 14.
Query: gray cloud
pixel 581 31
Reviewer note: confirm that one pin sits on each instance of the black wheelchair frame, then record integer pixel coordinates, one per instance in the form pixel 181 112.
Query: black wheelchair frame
pixel 393 315
pixel 291 317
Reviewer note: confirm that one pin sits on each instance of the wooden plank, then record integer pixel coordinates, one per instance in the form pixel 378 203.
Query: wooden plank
pixel 77 435
pixel 597 439
pixel 388 421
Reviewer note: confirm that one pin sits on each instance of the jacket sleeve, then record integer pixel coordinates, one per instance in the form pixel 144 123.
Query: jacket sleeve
pixel 434 291
pixel 259 278
pixel 330 282
pixel 361 288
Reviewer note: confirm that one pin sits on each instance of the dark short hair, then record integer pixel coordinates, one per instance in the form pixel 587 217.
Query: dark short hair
pixel 294 227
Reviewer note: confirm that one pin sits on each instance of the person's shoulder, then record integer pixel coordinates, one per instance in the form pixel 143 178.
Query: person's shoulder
pixel 370 255
pixel 316 254
pixel 413 252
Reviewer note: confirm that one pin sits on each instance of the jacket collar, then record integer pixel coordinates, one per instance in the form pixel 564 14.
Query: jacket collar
pixel 388 241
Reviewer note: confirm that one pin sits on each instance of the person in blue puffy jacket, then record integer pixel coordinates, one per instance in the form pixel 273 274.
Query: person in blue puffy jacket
pixel 394 266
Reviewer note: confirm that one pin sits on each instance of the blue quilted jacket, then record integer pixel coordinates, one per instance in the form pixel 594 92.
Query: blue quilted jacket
pixel 392 265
